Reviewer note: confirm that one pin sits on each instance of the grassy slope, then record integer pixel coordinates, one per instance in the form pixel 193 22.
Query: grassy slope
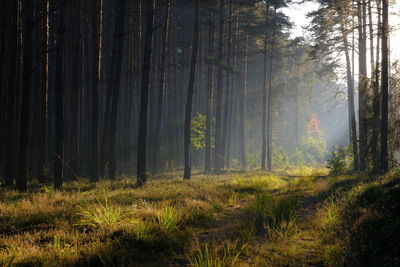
pixel 243 219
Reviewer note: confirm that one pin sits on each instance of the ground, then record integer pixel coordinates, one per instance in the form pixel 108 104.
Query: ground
pixel 299 218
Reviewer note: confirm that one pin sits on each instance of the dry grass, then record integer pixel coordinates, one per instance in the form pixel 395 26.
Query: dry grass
pixel 97 223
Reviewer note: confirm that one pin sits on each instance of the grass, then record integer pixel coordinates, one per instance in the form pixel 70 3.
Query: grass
pixel 235 219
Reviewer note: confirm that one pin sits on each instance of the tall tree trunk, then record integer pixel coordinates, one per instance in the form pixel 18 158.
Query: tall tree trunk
pixel 189 101
pixel 362 84
pixel 76 85
pixel 27 16
pixel 116 63
pixel 242 106
pixel 210 72
pixel 161 92
pixel 144 97
pixel 94 128
pixel 227 88
pixel 218 118
pixel 59 99
pixel 269 105
pixel 12 88
pixel 264 93
pixel 350 96
pixel 376 100
pixel 385 87
pixel 44 91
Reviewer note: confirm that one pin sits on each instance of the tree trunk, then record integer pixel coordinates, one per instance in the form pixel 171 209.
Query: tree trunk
pixel 76 85
pixel 269 105
pixel 161 93
pixel 11 101
pixel 242 106
pixel 27 16
pixel 362 84
pixel 210 73
pixel 94 129
pixel 144 98
pixel 59 100
pixel 376 101
pixel 189 101
pixel 227 89
pixel 264 93
pixel 116 63
pixel 350 96
pixel 385 87
pixel 218 118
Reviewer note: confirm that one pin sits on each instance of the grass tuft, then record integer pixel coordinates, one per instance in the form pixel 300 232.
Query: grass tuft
pixel 102 215
pixel 168 218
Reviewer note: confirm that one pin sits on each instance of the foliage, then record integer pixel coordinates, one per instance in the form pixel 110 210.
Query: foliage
pixel 342 160
pixel 198 131
pixel 279 158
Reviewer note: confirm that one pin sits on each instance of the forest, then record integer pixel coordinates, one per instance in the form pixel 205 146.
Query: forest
pixel 206 133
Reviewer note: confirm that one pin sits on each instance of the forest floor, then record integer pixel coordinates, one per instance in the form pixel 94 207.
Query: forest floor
pixel 298 218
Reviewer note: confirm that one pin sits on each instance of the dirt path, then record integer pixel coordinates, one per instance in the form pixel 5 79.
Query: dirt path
pixel 306 242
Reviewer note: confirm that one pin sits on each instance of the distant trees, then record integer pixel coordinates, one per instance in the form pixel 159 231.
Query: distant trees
pixel 372 139
pixel 88 88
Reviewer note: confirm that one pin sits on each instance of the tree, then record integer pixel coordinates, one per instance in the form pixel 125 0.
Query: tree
pixel 242 106
pixel 265 92
pixel 161 91
pixel 192 77
pixel 362 82
pixel 350 92
pixel 144 97
pixel 27 16
pixel 11 102
pixel 94 129
pixel 218 158
pixel 116 64
pixel 210 72
pixel 385 87
pixel 59 100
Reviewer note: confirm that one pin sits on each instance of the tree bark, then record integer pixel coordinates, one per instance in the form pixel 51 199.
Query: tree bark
pixel 116 64
pixel 189 101
pixel 59 99
pixel 218 158
pixel 210 72
pixel 11 101
pixel 144 98
pixel 264 93
pixel 242 106
pixel 161 93
pixel 228 89
pixel 269 104
pixel 375 153
pixel 362 84
pixel 384 166
pixel 27 16
pixel 350 96
pixel 94 128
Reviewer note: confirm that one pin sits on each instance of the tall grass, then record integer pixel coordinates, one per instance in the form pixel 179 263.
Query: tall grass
pixel 168 218
pixel 103 215
pixel 226 255
pixel 276 218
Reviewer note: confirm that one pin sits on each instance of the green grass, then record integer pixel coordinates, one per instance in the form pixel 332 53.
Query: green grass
pixel 235 219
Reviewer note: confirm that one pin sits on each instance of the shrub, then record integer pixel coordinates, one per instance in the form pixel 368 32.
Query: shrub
pixel 342 160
